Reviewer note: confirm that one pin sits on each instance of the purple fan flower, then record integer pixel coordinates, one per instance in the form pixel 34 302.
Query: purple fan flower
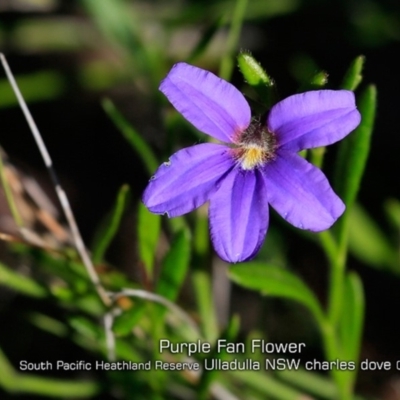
pixel 256 164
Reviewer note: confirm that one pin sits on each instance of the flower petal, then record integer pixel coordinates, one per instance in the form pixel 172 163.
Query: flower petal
pixel 188 179
pixel 301 193
pixel 239 215
pixel 211 104
pixel 313 119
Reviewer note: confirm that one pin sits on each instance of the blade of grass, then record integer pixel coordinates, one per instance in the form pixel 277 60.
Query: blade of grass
pixel 20 283
pixel 205 305
pixel 227 62
pixel 132 136
pixel 149 225
pixel 353 75
pixel 13 382
pixel 107 234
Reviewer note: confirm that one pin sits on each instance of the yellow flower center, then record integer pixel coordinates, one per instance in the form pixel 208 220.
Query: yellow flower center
pixel 255 146
pixel 251 157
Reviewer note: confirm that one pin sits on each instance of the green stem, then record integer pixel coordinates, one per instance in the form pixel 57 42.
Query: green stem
pixel 338 267
pixel 226 67
pixel 337 255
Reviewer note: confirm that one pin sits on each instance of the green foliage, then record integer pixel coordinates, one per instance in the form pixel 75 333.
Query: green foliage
pixel 111 225
pixel 20 283
pixel 175 266
pixel 167 290
pixel 39 86
pixel 275 281
pixel 141 148
pixel 353 75
pixel 354 149
pixel 26 383
pixel 369 243
pixel 148 235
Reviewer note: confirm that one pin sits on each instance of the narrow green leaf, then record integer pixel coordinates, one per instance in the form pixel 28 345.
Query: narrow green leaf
pixel 38 86
pixel 124 323
pixel 107 233
pixel 209 376
pixel 175 266
pixel 353 75
pixel 121 24
pixel 142 149
pixel 49 324
pixel 392 209
pixel 275 281
pixel 201 238
pixel 255 76
pixel 226 67
pixel 311 382
pixel 205 304
pixel 205 40
pixel 352 324
pixel 353 151
pixel 14 382
pixel 148 235
pixel 353 317
pixel 20 283
pixel 368 243
pixel 268 385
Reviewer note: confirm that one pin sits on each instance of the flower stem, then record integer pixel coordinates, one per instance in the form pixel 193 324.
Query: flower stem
pixel 227 62
pixel 337 255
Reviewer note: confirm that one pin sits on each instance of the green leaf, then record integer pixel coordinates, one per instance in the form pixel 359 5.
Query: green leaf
pixel 311 382
pixel 175 266
pixel 256 77
pixel 353 317
pixel 205 304
pixel 392 209
pixel 232 40
pixel 107 233
pixel 368 243
pixel 49 324
pixel 148 235
pixel 205 40
pixel 351 326
pixel 142 149
pixel 13 382
pixel 39 86
pixel 124 323
pixel 354 150
pixel 20 283
pixel 121 24
pixel 275 281
pixel 353 75
pixel 268 385
pixel 209 376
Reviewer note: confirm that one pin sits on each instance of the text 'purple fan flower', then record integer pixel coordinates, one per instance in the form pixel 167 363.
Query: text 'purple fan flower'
pixel 257 164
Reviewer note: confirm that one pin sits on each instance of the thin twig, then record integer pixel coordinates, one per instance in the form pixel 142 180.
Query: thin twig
pixel 80 247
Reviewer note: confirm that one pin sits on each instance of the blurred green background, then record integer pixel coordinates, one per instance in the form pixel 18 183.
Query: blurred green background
pixel 69 55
